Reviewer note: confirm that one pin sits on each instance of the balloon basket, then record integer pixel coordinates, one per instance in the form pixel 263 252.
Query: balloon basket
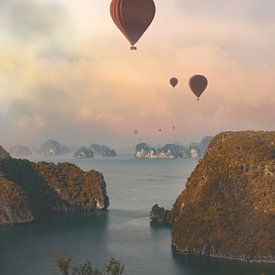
pixel 133 48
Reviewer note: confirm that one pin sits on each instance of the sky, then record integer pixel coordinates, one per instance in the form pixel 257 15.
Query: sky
pixel 66 72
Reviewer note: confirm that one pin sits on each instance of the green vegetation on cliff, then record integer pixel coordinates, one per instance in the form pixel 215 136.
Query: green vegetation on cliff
pixel 228 207
pixel 31 191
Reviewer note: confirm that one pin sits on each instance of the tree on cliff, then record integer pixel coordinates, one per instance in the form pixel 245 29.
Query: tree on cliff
pixel 66 267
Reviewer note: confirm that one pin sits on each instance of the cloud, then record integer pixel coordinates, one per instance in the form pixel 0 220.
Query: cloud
pixel 27 19
pixel 225 10
pixel 31 122
pixel 81 82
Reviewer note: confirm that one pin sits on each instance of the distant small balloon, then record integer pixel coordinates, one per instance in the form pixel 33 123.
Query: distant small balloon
pixel 160 130
pixel 174 128
pixel 198 84
pixel 136 132
pixel 174 82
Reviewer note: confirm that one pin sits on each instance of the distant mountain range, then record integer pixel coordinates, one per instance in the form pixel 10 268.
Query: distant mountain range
pixel 170 151
pixel 53 148
pixel 173 151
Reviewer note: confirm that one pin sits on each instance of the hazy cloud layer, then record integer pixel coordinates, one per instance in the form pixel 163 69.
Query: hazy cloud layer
pixel 66 72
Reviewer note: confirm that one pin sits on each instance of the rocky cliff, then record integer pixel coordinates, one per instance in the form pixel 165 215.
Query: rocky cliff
pixel 103 150
pixel 52 147
pixel 31 191
pixel 171 151
pixel 84 153
pixel 4 154
pixel 159 215
pixel 227 209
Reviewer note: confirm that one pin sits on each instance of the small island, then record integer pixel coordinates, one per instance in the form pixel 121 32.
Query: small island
pixel 160 216
pixel 173 151
pixel 103 150
pixel 84 153
pixel 52 147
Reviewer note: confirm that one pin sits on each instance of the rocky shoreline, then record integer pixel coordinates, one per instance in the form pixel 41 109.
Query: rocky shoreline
pixel 238 258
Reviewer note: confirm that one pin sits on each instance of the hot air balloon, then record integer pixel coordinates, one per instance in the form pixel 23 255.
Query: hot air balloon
pixel 198 84
pixel 174 82
pixel 160 130
pixel 174 128
pixel 136 132
pixel 133 17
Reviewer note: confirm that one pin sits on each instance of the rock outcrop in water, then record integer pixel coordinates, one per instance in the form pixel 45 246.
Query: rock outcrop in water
pixel 32 191
pixel 84 153
pixel 52 147
pixel 227 209
pixel 159 215
pixel 173 151
pixel 103 150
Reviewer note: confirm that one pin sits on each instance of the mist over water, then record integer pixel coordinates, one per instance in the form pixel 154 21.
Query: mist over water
pixel 123 232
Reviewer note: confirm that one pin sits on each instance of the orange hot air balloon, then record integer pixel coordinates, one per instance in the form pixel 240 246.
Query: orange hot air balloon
pixel 174 82
pixel 198 84
pixel 133 17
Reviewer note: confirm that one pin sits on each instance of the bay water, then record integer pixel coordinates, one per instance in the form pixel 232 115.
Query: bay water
pixel 123 232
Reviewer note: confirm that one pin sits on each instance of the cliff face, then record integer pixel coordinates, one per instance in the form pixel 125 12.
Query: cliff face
pixel 159 215
pixel 30 191
pixel 173 151
pixel 169 151
pixel 4 154
pixel 228 207
pixel 103 150
pixel 84 153
pixel 52 147
pixel 13 204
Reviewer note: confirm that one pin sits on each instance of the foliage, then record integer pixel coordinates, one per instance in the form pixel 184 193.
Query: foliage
pixel 46 188
pixel 65 266
pixel 228 206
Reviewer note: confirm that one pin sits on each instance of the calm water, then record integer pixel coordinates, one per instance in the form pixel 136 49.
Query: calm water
pixel 123 232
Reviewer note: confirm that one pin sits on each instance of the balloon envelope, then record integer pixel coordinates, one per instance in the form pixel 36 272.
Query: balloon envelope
pixel 174 82
pixel 198 84
pixel 133 17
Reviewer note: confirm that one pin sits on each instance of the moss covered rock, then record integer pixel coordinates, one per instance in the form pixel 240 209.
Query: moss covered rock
pixel 31 191
pixel 227 209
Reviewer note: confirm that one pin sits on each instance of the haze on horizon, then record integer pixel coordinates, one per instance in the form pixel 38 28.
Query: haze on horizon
pixel 66 72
